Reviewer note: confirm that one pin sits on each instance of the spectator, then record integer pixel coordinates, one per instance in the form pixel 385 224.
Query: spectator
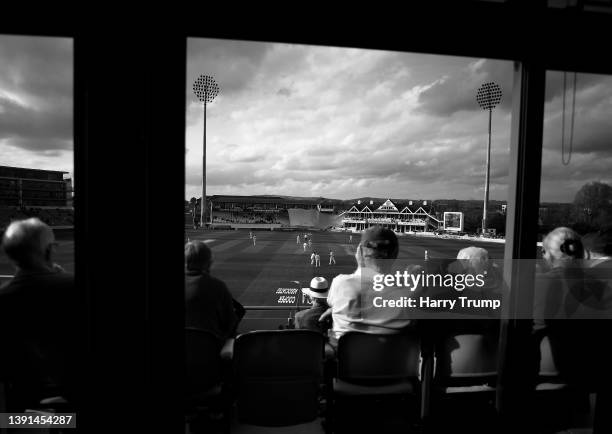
pixel 564 292
pixel 208 303
pixel 475 261
pixel 309 318
pixel 37 317
pixel 350 295
pixel 598 247
pixel 562 251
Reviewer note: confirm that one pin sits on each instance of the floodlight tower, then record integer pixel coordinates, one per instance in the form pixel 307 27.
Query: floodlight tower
pixel 488 96
pixel 206 89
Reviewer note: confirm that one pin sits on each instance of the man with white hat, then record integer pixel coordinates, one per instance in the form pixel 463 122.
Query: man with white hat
pixel 309 318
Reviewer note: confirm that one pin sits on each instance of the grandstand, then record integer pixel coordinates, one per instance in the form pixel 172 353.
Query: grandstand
pixel 396 215
pixel 54 217
pixel 283 212
pixel 23 187
pixel 269 212
pixel 46 194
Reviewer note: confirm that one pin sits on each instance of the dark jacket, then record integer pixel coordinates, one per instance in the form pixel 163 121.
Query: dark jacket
pixel 572 307
pixel 309 319
pixel 38 321
pixel 209 305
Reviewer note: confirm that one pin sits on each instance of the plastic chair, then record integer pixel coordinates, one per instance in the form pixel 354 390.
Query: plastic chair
pixel 373 364
pixel 466 363
pixel 205 391
pixel 463 393
pixel 378 379
pixel 277 376
pixel 549 377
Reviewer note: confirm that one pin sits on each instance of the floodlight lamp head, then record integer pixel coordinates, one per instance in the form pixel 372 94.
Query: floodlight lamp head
pixel 488 95
pixel 205 88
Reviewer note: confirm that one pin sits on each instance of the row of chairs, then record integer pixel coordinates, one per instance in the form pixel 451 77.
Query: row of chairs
pixel 282 377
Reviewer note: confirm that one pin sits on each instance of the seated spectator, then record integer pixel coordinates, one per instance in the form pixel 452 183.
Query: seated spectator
pixel 309 318
pixel 208 303
pixel 598 248
pixel 350 295
pixel 563 252
pixel 37 317
pixel 475 261
pixel 562 293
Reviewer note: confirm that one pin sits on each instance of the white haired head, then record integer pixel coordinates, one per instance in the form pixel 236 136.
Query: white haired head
pixel 562 246
pixel 474 259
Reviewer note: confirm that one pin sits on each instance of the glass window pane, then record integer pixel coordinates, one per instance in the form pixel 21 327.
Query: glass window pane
pixel 36 181
pixel 313 141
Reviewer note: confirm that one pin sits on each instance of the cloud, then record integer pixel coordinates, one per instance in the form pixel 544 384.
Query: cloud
pixel 36 102
pixel 38 69
pixel 35 129
pixel 456 89
pixel 233 64
pixel 284 92
pixel 334 122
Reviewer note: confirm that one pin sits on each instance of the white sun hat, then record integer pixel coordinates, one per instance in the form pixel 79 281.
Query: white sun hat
pixel 319 287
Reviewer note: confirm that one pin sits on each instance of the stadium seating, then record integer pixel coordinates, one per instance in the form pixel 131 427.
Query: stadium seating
pixel 51 216
pixel 375 368
pixel 464 380
pixel 277 376
pixel 206 392
pixel 553 395
pixel 466 363
pixel 371 364
pixel 245 217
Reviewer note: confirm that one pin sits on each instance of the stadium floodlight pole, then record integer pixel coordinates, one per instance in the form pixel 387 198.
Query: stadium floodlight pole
pixel 488 96
pixel 205 89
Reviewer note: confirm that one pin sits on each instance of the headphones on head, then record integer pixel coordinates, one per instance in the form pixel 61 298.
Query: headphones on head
pixel 571 248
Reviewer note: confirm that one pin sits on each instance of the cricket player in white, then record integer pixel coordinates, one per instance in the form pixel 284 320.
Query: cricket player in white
pixel 317 260
pixel 350 238
pixel 297 240
pixel 254 240
pixel 305 245
pixel 312 258
pixel 331 258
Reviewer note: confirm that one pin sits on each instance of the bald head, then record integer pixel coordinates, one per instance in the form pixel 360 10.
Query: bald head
pixel 28 243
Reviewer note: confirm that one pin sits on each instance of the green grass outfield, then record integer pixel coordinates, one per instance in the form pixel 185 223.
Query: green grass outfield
pixel 255 273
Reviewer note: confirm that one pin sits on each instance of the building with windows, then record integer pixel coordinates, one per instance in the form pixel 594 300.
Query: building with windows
pixel 397 215
pixel 24 188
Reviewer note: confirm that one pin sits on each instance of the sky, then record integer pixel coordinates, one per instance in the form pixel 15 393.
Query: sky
pixel 345 123
pixel 323 121
pixel 36 103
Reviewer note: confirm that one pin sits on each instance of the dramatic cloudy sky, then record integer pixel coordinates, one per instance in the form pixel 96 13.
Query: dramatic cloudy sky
pixel 36 103
pixel 342 123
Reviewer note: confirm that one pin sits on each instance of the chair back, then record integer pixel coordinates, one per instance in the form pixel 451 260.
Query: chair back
pixel 548 367
pixel 469 359
pixel 277 376
pixel 374 358
pixel 202 360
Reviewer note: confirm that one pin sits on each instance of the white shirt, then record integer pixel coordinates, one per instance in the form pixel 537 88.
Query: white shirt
pixel 351 300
